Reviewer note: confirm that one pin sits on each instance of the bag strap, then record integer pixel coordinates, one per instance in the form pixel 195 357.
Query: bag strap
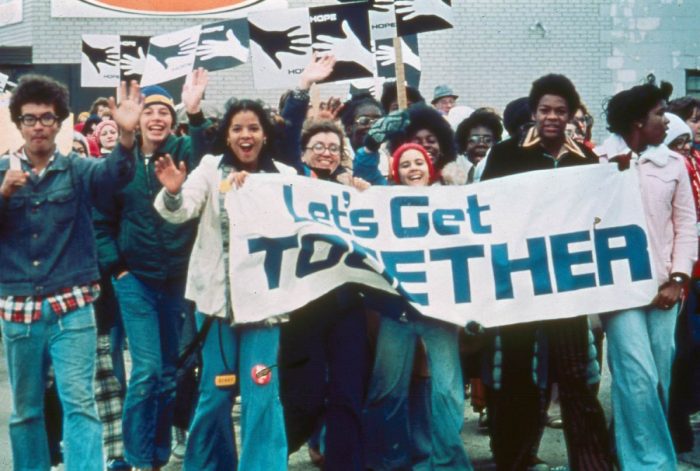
pixel 196 342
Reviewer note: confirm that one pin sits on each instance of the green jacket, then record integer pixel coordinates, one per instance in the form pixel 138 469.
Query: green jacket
pixel 132 236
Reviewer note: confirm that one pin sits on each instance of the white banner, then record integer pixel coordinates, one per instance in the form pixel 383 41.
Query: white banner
pixel 160 8
pixel 534 246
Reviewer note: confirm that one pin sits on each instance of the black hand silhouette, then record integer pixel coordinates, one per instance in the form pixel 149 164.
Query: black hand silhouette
pixel 97 56
pixel 274 42
pixel 163 53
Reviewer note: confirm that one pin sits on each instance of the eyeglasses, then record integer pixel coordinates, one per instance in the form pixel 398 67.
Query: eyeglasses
pixel 319 149
pixel 46 119
pixel 484 138
pixel 366 120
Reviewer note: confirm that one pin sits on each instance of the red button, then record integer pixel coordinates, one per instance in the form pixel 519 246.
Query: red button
pixel 261 374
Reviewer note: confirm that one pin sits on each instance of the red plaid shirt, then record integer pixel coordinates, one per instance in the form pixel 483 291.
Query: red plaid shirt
pixel 27 309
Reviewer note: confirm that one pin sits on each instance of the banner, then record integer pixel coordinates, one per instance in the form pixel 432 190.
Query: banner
pixel 160 8
pixel 534 246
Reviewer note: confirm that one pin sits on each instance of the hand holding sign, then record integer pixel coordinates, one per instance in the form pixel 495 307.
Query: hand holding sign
pixel 163 54
pixel 230 47
pixel 170 176
pixel 277 42
pixel 193 90
pixel 411 9
pixel 349 48
pixel 97 56
pixel 132 65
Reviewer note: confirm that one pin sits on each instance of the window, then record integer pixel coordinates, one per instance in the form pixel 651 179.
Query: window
pixel 692 83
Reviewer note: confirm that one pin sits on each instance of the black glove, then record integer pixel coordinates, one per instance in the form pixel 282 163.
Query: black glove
pixel 388 127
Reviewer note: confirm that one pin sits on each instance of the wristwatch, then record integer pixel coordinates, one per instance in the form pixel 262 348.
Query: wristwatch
pixel 677 278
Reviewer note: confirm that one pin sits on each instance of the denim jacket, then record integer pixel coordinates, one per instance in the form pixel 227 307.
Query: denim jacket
pixel 46 235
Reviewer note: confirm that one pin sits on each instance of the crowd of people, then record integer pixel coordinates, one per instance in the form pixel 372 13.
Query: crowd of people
pixel 124 244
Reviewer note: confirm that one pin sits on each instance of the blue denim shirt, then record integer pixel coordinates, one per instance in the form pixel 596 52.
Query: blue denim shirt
pixel 46 235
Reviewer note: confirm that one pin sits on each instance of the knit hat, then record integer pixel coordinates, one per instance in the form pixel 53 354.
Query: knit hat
pixel 442 91
pixel 78 137
pixel 104 124
pixel 676 128
pixel 157 95
pixel 396 158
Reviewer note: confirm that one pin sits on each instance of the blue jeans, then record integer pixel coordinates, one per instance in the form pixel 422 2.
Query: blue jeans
pixel 69 343
pixel 640 354
pixel 420 429
pixel 211 444
pixel 152 319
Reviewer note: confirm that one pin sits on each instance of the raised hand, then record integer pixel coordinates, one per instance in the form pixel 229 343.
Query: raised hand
pixel 317 70
pixel 132 65
pixel 229 47
pixel 162 54
pixel 193 90
pixel 277 42
pixel 170 176
pixel 127 114
pixel 411 9
pixel 348 48
pixel 108 56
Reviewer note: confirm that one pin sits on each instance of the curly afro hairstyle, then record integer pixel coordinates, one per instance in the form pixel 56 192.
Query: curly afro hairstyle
pixel 347 117
pixel 554 84
pixel 487 119
pixel 41 90
pixel 422 116
pixel 389 95
pixel 632 105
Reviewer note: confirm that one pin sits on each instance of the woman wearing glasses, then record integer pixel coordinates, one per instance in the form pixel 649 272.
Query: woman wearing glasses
pixel 475 136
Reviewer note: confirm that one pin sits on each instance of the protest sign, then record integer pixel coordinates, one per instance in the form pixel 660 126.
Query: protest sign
pixel 280 47
pixel 10 12
pixel 420 16
pixel 223 45
pixel 170 56
pixel 343 30
pixel 385 57
pixel 132 57
pixel 511 250
pixel 3 81
pixel 99 64
pixel 160 8
pixel 382 19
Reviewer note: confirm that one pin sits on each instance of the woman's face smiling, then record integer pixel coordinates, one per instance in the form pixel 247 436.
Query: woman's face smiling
pixel 413 169
pixel 246 138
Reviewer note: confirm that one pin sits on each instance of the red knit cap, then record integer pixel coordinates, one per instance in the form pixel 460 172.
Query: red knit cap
pixel 396 158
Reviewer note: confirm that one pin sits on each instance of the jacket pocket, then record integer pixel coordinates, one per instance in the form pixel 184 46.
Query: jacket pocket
pixel 62 206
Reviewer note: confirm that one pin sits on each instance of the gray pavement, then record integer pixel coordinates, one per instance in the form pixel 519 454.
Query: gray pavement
pixel 552 448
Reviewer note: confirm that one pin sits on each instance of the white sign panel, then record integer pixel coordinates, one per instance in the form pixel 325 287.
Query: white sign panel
pixel 10 12
pixel 99 63
pixel 170 56
pixel 534 246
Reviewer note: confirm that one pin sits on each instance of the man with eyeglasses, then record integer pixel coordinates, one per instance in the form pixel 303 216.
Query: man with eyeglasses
pixel 49 274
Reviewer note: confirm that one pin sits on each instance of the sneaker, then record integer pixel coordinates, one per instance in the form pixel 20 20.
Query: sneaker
pixel 118 464
pixel 180 443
